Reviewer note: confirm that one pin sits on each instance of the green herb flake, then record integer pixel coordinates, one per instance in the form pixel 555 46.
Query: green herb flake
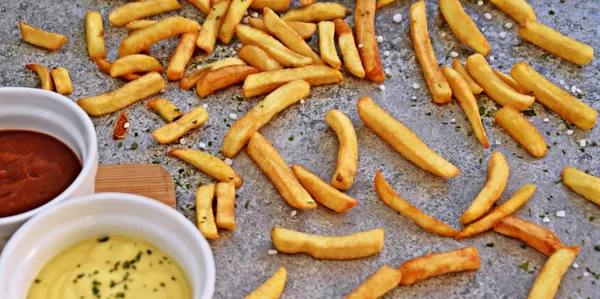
pixel 120 144
pixel 103 239
pixel 291 138
pixel 525 266
pixel 551 12
pixel 529 112
pixel 134 146
pixel 491 244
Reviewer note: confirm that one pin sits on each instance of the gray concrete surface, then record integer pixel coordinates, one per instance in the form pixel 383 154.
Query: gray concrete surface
pixel 241 257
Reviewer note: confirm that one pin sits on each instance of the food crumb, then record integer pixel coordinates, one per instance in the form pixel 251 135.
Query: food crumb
pixel 488 16
pixel 302 101
pixel 228 161
pixel 182 141
pixel 561 214
pixel 272 252
pixel 479 3
pixel 397 18
pixel 360 45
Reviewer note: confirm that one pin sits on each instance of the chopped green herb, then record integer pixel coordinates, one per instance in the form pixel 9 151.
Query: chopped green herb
pixel 524 246
pixel 597 247
pixel 291 138
pixel 529 112
pixel 134 146
pixel 103 239
pixel 551 12
pixel 120 144
pixel 491 244
pixel 246 204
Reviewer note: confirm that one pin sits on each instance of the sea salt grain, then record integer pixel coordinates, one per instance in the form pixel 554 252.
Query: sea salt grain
pixel 546 220
pixel 586 274
pixel 233 116
pixel 254 15
pixel 302 101
pixel 205 106
pixel 416 85
pixel 508 25
pixel 272 252
pixel 386 53
pixel 453 120
pixel 492 58
pixel 126 125
pixel 487 16
pixel 546 120
pixel 228 161
pixel 502 34
pixel 575 265
pixel 582 142
pixel 479 3
pixel 360 45
pixel 561 82
pixel 380 39
pixel 573 89
pixel 293 213
pixel 453 54
pixel 414 97
pixel 560 214
pixel 382 87
pixel 202 145
pixel 497 142
pixel 397 18
pixel 182 141
pixel 569 132
pixel 245 20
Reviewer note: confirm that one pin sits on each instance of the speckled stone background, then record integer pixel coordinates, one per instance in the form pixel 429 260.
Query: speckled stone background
pixel 301 136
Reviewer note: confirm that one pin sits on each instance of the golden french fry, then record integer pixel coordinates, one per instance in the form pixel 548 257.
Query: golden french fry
pixel 436 82
pixel 171 132
pixel 209 164
pixel 47 40
pixel 378 284
pixel 272 288
pixel 548 281
pixel 505 209
pixel 382 3
pixel 225 194
pixel 288 58
pixel 424 267
pixel 353 246
pixel 211 26
pixel 234 16
pixel 458 67
pixel 582 183
pixel 463 27
pixel 94 35
pixel 534 235
pixel 243 128
pixel 322 192
pixel 554 97
pixel 317 12
pixel 257 57
pixel 275 5
pixel 327 44
pixel 305 30
pixel 497 176
pixel 265 82
pixel 364 23
pixel 139 24
pixel 521 130
pixel 403 140
pixel 204 211
pixel 306 2
pixel 191 80
pixel 182 55
pixel 278 172
pixel 43 74
pixel 215 80
pixel 347 157
pixel 519 10
pixel 167 110
pixel 126 13
pixel 500 92
pixel 142 39
pixel 62 81
pixel 104 66
pixel 120 130
pixel 348 48
pixel 135 63
pixel 398 204
pixel 509 81
pixel 203 5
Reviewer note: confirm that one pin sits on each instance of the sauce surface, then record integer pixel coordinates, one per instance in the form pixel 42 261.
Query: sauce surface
pixel 34 169
pixel 111 267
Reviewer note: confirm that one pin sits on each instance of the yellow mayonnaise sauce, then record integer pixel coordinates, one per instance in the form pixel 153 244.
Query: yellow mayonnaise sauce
pixel 111 267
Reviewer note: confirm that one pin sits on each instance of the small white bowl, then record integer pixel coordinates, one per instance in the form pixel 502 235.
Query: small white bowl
pixel 60 226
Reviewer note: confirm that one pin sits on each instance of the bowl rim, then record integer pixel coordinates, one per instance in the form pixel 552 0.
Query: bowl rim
pixel 92 148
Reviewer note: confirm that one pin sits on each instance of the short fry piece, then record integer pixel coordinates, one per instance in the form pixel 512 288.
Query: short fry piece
pixel 459 68
pixel 234 16
pixel 204 211
pixel 548 281
pixel 327 44
pixel 203 5
pixel 288 58
pixel 353 246
pixel 139 24
pixel 348 48
pixel 136 63
pixel 47 40
pixel 275 5
pixel 305 30
pixel 424 267
pixel 505 209
pixel 258 58
pixel 520 129
pixel 181 56
pixel 463 27
pixel 509 81
pixel 378 284
pixel 265 82
pixel 582 183
pixel 62 80
pixel 128 12
pixel 212 26
pixel 364 23
pixel 225 194
pixel 403 140
pixel 167 110
pixel 272 288
pixel 398 204
pixel 209 164
pixel 215 80
pixel 191 79
pixel 94 35
pixel 519 10
pixel 317 12
pixel 322 192
pixel 142 39
pixel 347 157
pixel 121 127
pixel 534 235
pixel 173 131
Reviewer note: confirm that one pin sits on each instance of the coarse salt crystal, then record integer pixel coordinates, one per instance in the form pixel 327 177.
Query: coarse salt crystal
pixel 582 142
pixel 126 125
pixel 416 85
pixel 232 115
pixel 414 97
pixel 575 265
pixel 497 142
pixel 272 252
pixel 386 53
pixel 479 3
pixel 492 58
pixel 302 101
pixel 561 82
pixel 569 132
pixel 245 20
pixel 546 220
pixel 380 39
pixel 453 120
pixel 573 89
pixel 453 54
pixel 387 71
pixel 560 214
pixel 508 25
pixel 205 106
pixel 443 34
pixel 202 145
pixel 578 90
pixel 228 161
pixel 293 213
pixel 397 18
pixel 487 15
pixel 546 120
pixel 254 15
pixel 182 141
pixel 382 87
pixel 502 34
pixel 586 274
pixel 360 45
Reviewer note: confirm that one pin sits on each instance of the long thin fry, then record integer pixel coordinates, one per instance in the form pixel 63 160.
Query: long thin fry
pixel 275 5
pixel 142 39
pixel 424 267
pixel 582 183
pixel 317 12
pixel 509 81
pixel 322 192
pixel 519 10
pixel 182 55
pixel 548 281
pixel 215 80
pixel 347 157
pixel 459 68
pixel 139 24
pixel 192 78
pixel 519 128
pixel 171 132
pixel 534 235
pixel 47 40
pixel 138 10
pixel 234 16
pixel 272 288
pixel 315 75
pixel 211 26
pixel 258 58
pixel 327 44
pixel 364 22
pixel 378 284
pixel 209 164
pixel 43 74
pixel 463 27
pixel 94 35
pixel 204 211
pixel 305 30
pixel 135 63
pixel 348 48
pixel 105 66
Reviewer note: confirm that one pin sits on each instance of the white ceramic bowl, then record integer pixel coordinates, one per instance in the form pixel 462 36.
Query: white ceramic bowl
pixel 51 113
pixel 60 226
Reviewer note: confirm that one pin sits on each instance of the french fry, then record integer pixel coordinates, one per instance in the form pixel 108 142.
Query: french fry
pixel 275 5
pixel 532 234
pixel 47 40
pixel 459 68
pixel 43 74
pixel 519 10
pixel 403 140
pixel 463 94
pixel 225 194
pixel 182 55
pixel 121 127
pixel 320 11
pixel 436 83
pixel 209 164
pixel 383 3
pixel 505 209
pixel 212 26
pixel 135 63
pixel 509 81
pixel 258 58
pixel 500 92
pixel 167 110
pixel 347 157
pixel 353 246
pixel 497 176
pixel 398 204
pixel 243 129
pixel 203 5
pixel 554 97
pixel 215 80
pixel 171 132
pixel 582 183
pixel 142 39
pixel 277 171
pixel 191 80
pixel 62 80
pixel 322 192
pixel 305 30
pixel 204 211
pixel 463 27
pixel 94 33
pixel 521 130
pixel 272 288
pixel 378 284
pixel 126 13
pixel 139 24
pixel 234 16
pixel 265 82
pixel 327 44
pixel 548 281
pixel 364 23
pixel 306 2
pixel 348 48
pixel 424 267
pixel 104 66
pixel 287 57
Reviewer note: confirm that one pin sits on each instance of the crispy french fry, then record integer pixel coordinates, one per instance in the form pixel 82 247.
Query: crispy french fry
pixel 234 16
pixel 497 176
pixel 171 132
pixel 135 63
pixel 94 35
pixel 320 11
pixel 378 284
pixel 534 235
pixel 582 183
pixel 191 80
pixel 463 27
pixel 47 40
pixel 243 128
pixel 398 204
pixel 121 127
pixel 353 246
pixel 322 192
pixel 104 66
pixel 424 267
pixel 403 140
pixel 272 288
pixel 225 194
pixel 265 82
pixel 436 83
pixel 203 5
pixel 348 48
pixel 209 164
pixel 500 92
pixel 548 281
pixel 204 211
pixel 288 58
pixel 43 74
pixel 275 5
pixel 459 68
pixel 509 81
pixel 126 13
pixel 554 97
pixel 182 55
pixel 521 130
pixel 305 30
pixel 167 110
pixel 347 157
pixel 144 38
pixel 215 80
pixel 62 80
pixel 327 44
pixel 211 26
pixel 519 10
pixel 277 171
pixel 364 23
pixel 505 209
pixel 139 24
pixel 258 58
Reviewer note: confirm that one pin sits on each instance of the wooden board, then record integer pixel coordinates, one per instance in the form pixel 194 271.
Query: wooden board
pixel 149 180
